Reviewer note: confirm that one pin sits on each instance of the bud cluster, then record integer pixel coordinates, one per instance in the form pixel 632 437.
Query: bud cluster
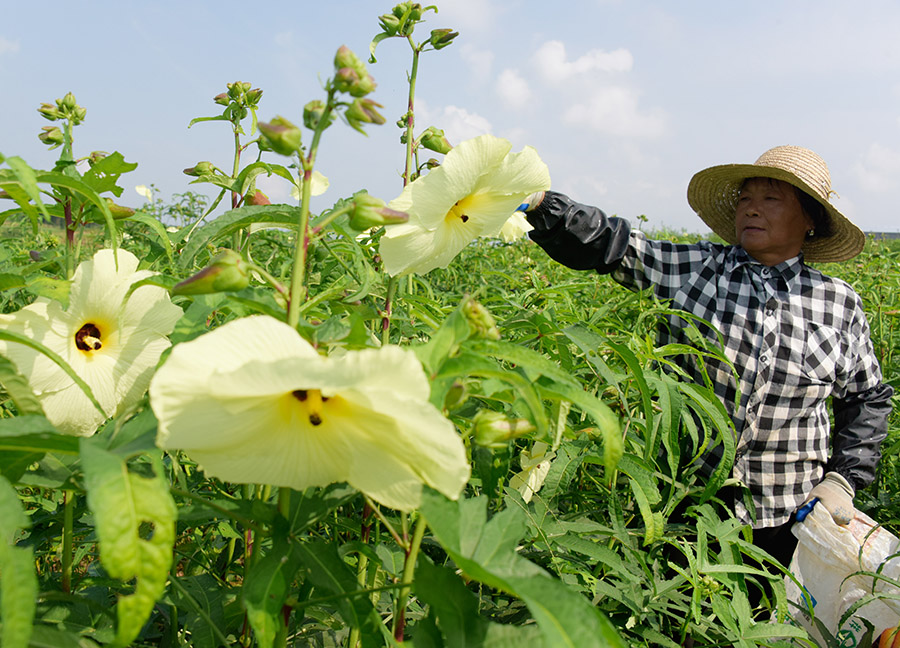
pixel 402 19
pixel 65 108
pixel 362 111
pixel 351 75
pixel 240 98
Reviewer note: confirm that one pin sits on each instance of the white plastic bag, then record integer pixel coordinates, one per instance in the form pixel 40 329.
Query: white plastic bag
pixel 826 555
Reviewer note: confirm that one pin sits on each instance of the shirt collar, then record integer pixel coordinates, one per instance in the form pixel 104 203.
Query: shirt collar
pixel 787 270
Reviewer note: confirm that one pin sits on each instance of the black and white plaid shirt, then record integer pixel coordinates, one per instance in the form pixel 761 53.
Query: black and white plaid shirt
pixel 794 335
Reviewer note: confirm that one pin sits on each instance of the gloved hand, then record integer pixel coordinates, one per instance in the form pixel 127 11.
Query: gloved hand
pixel 836 495
pixel 531 202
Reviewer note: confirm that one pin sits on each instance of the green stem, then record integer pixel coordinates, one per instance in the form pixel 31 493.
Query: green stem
pixel 235 196
pixel 68 518
pixel 388 307
pixel 410 114
pixel 298 275
pixel 408 571
pixel 284 501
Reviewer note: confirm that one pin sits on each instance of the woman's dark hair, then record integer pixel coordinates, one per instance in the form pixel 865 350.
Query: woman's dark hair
pixel 816 211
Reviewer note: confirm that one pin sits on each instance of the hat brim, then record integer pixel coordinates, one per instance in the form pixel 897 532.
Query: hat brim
pixel 713 194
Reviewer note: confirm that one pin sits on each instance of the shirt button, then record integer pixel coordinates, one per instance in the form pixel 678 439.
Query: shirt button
pixel 763 359
pixel 765 272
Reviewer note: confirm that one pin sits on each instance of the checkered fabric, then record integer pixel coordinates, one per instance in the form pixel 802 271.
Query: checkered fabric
pixel 795 336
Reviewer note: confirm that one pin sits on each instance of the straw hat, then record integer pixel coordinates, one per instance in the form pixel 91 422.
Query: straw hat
pixel 713 194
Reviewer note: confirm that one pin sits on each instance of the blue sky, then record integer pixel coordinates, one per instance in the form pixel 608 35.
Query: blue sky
pixel 623 99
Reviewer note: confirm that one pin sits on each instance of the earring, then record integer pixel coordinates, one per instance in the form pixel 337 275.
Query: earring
pixel 810 233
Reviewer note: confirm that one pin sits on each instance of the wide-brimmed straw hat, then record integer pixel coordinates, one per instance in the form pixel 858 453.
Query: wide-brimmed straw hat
pixel 713 194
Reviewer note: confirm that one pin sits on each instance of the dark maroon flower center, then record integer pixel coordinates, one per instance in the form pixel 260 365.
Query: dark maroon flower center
pixel 88 338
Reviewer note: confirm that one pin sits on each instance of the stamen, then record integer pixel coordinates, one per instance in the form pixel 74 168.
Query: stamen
pixel 88 338
pixel 314 400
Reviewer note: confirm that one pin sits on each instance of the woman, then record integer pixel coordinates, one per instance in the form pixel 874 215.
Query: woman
pixel 795 335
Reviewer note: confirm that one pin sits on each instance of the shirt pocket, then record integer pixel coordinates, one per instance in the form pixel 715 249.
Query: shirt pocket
pixel 815 360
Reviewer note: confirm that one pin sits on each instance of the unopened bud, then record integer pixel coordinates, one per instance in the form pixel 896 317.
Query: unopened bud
pixel 413 10
pixel 362 111
pixel 227 271
pixel 440 38
pixel 390 24
pixel 49 111
pixel 480 319
pixel 78 115
pixel 312 115
pixel 345 57
pixel 253 96
pixel 351 74
pixel 434 140
pixel 456 395
pixel 369 211
pixel 96 156
pixel 200 169
pixel 68 102
pixel 257 197
pixel 52 136
pixel 281 135
pixel 118 211
pixel 222 99
pixel 494 430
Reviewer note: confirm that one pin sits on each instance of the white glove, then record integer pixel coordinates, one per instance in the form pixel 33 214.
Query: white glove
pixel 836 495
pixel 531 202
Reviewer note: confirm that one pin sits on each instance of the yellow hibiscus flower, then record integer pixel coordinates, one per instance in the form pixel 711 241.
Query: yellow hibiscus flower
pixel 473 193
pixel 253 402
pixel 111 342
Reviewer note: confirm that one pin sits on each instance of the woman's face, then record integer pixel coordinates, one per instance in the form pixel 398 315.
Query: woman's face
pixel 769 222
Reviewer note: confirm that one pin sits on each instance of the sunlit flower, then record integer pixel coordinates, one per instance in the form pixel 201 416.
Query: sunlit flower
pixel 515 228
pixel 318 184
pixel 472 194
pixel 111 342
pixel 144 191
pixel 535 465
pixel 253 402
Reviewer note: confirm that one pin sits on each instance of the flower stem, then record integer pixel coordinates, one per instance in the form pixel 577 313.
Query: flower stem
pixel 410 114
pixel 68 518
pixel 386 313
pixel 298 275
pixel 409 568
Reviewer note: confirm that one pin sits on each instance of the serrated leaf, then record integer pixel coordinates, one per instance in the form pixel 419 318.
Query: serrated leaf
pixel 18 585
pixel 104 173
pixel 124 504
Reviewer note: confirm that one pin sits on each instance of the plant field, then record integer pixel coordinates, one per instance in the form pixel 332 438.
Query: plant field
pixel 394 422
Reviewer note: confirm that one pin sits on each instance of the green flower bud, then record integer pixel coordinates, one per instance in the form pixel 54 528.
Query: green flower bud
pixel 78 115
pixel 257 197
pixel 456 395
pixel 390 24
pixel 200 169
pixel 118 211
pixel 434 140
pixel 346 58
pixel 49 111
pixel 494 430
pixel 351 74
pixel 68 102
pixel 369 211
pixel 237 90
pixel 227 271
pixel 440 38
pixel 96 156
pixel 362 111
pixel 313 112
pixel 222 99
pixel 413 10
pixel 52 136
pixel 253 96
pixel 281 135
pixel 480 319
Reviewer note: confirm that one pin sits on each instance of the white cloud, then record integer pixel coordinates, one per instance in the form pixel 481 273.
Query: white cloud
pixel 479 61
pixel 552 64
pixel 466 15
pixel 8 46
pixel 512 88
pixel 878 169
pixel 457 123
pixel 614 111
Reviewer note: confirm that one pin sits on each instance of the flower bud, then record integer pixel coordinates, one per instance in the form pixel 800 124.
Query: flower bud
pixel 257 197
pixel 456 395
pixel 96 156
pixel 369 211
pixel 227 271
pixel 390 24
pixel 200 169
pixel 253 96
pixel 222 99
pixel 281 135
pixel 413 10
pixel 480 319
pixel 440 38
pixel 362 111
pixel 68 102
pixel 345 57
pixel 78 115
pixel 118 211
pixel 494 430
pixel 351 74
pixel 49 111
pixel 312 115
pixel 434 140
pixel 52 136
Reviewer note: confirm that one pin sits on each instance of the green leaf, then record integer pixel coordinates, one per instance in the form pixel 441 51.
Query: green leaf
pixel 104 173
pixel 27 181
pixel 197 120
pixel 18 585
pixel 314 504
pixel 486 551
pixel 455 607
pixel 533 363
pixel 24 440
pixel 135 524
pixel 18 389
pixel 80 187
pixel 237 219
pixel 201 600
pixel 9 280
pixel 266 587
pixel 56 289
pixel 156 227
pixel 330 574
